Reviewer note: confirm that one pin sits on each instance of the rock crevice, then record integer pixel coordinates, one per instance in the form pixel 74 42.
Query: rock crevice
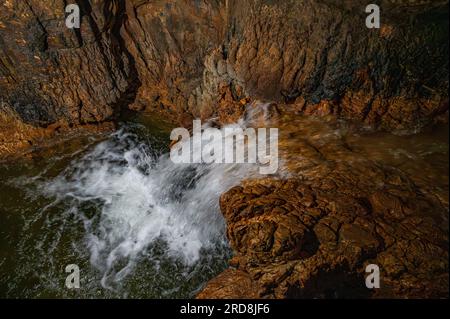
pixel 198 57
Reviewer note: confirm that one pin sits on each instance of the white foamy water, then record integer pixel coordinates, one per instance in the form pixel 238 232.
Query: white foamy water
pixel 144 227
pixel 144 206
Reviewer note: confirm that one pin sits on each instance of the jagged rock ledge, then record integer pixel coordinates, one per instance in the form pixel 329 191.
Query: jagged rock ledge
pixel 203 58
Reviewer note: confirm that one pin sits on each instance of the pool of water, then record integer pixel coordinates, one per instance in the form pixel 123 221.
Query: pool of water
pixel 135 225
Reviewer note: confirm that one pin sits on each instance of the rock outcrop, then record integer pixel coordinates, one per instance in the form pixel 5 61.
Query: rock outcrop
pixel 295 240
pixel 301 237
pixel 317 55
pixel 313 234
pixel 52 75
pixel 203 58
pixel 50 72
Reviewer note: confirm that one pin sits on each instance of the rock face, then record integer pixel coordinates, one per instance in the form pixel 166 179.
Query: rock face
pixel 202 58
pixel 295 240
pixel 313 234
pixel 52 73
pixel 207 58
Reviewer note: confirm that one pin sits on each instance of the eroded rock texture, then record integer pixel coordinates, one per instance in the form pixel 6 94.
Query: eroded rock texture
pixel 343 205
pixel 207 58
pixel 203 58
pixel 51 75
pixel 296 239
pixel 319 56
pixel 50 72
pixel 308 236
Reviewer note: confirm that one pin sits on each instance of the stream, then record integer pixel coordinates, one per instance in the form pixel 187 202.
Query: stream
pixel 139 226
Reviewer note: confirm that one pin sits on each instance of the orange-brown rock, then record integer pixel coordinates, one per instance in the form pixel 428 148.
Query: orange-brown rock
pixel 18 138
pixel 311 233
pixel 203 57
pixel 293 239
pixel 231 283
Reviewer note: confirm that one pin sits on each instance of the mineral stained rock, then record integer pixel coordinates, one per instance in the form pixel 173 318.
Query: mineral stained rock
pixel 206 58
pixel 311 235
pixel 297 240
pixel 188 59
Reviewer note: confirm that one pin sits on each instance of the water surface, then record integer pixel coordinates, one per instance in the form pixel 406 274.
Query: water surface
pixel 140 226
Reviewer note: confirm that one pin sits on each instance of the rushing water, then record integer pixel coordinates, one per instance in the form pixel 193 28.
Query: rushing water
pixel 136 224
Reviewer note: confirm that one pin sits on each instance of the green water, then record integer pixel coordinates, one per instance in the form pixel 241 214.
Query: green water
pixel 40 236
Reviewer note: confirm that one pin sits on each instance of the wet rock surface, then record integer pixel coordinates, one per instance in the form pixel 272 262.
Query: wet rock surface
pixel 299 240
pixel 51 73
pixel 311 235
pixel 203 58
pixel 52 76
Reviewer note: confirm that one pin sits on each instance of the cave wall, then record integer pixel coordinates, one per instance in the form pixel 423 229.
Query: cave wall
pixel 320 56
pixel 205 58
pixel 49 72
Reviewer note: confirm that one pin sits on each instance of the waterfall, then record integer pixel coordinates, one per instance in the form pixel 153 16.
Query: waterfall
pixel 146 207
